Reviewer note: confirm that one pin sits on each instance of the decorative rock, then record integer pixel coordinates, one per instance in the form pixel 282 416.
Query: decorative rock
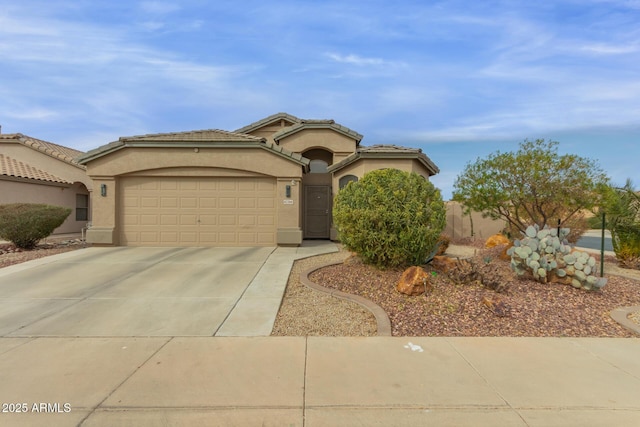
pixel 496 240
pixel 443 264
pixel 497 306
pixel 500 240
pixel 414 281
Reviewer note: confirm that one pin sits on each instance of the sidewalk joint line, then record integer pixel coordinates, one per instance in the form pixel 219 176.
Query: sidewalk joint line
pixel 489 384
pixel 304 382
pixel 93 410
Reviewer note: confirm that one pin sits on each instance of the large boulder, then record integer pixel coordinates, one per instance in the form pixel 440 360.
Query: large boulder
pixel 414 281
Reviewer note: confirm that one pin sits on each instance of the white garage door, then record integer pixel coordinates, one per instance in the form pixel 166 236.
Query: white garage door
pixel 184 211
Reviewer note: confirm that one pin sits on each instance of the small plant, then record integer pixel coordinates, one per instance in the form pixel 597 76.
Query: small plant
pixel 547 256
pixel 622 207
pixel 25 224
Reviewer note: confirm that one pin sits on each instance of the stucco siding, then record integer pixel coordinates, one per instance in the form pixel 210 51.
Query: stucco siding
pixel 46 163
pixel 14 191
pixel 325 139
pixel 137 159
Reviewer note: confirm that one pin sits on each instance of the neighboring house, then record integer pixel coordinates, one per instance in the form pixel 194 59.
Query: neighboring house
pixel 36 171
pixel 269 183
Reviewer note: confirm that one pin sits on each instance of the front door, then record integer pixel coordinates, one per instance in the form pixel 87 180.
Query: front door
pixel 317 217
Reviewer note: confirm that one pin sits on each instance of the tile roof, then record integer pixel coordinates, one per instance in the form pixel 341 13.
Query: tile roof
pixel 268 120
pixel 15 168
pixel 197 138
pixel 210 135
pixel 317 124
pixel 60 152
pixel 387 151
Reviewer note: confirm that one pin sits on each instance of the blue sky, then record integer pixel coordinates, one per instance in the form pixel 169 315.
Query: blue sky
pixel 459 79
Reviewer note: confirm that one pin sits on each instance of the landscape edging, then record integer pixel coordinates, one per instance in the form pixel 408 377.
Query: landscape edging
pixel 382 319
pixel 620 315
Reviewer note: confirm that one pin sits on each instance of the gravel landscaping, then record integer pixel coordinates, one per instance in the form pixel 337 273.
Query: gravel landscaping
pixel 525 308
pixel 10 255
pixel 306 312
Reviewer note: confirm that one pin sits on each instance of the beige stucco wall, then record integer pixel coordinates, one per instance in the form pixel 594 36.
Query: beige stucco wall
pixel 209 162
pixel 268 130
pixel 327 139
pixel 23 191
pixel 459 225
pixel 46 163
pixel 136 159
pixel 361 166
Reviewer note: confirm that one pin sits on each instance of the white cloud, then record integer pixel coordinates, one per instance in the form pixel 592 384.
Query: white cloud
pixel 610 49
pixel 355 59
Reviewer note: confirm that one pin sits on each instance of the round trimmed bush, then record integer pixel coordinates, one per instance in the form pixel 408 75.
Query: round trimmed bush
pixel 390 218
pixel 25 224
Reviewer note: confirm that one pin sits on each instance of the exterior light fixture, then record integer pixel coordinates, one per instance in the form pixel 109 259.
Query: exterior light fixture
pixel 103 190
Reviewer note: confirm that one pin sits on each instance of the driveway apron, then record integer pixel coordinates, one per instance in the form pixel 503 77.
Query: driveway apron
pixel 128 291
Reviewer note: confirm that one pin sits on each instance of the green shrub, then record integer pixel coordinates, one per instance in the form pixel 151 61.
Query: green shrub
pixel 390 218
pixel 622 208
pixel 25 224
pixel 626 244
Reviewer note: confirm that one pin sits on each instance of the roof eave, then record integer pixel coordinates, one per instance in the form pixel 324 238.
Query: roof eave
pixel 328 124
pixel 427 163
pixel 256 143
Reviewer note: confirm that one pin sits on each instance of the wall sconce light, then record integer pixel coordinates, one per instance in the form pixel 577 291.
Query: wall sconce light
pixel 103 190
pixel 288 191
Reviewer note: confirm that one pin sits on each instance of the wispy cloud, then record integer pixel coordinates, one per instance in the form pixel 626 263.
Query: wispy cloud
pixel 355 59
pixel 608 49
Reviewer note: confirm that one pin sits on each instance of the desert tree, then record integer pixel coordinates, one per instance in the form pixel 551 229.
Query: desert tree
pixel 534 185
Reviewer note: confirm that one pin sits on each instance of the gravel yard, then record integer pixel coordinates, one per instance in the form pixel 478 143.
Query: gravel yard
pixel 306 312
pixel 9 255
pixel 529 308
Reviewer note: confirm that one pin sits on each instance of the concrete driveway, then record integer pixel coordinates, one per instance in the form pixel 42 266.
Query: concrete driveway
pixel 127 291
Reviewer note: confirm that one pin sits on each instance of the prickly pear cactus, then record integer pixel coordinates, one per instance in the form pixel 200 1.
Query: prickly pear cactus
pixel 549 258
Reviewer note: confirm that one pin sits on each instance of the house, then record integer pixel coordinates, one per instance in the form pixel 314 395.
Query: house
pixel 269 183
pixel 37 171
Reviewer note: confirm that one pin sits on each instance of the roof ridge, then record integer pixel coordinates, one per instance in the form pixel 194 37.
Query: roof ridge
pixel 184 133
pixel 57 151
pixel 277 116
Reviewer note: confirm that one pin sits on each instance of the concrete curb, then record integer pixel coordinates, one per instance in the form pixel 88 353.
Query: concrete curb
pixel 620 316
pixel 384 324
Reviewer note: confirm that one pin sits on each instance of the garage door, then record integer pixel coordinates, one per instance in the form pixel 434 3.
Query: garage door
pixel 197 211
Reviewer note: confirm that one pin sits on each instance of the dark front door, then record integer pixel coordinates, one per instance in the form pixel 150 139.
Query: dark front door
pixel 317 217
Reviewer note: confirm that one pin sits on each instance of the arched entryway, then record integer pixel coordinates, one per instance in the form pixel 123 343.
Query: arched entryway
pixel 317 199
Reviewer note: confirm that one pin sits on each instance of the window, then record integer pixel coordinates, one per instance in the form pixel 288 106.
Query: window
pixel 346 180
pixel 82 207
pixel 318 166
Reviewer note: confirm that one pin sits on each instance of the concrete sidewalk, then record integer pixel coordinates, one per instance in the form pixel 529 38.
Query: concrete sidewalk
pixel 256 311
pixel 320 381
